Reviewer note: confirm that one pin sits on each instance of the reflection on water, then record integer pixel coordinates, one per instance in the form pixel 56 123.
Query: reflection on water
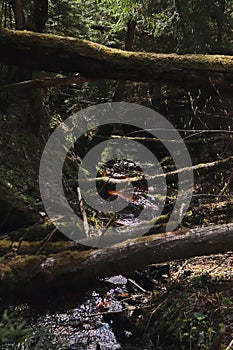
pixel 84 327
pixel 90 325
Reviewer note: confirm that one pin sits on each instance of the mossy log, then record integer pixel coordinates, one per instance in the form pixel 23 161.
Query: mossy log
pixel 30 275
pixel 36 232
pixel 71 55
pixel 9 249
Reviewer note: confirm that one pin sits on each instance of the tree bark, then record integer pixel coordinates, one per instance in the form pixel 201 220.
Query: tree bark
pixel 95 61
pixel 26 275
pixel 220 20
pixel 188 34
pixel 31 17
pixel 131 28
pixel 45 83
pixel 17 7
pixel 40 14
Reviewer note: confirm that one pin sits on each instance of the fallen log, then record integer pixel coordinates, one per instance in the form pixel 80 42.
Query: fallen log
pixel 10 249
pixel 28 275
pixel 45 83
pixel 200 167
pixel 71 55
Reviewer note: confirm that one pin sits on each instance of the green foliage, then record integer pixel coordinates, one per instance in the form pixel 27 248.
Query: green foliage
pixel 16 184
pixel 13 329
pixel 187 316
pixel 202 19
pixel 179 26
pixel 16 334
pixel 75 18
pixel 159 25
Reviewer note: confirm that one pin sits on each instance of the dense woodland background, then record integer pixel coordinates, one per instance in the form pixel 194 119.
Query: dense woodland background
pixel 180 64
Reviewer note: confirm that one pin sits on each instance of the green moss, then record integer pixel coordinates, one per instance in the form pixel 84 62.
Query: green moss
pixel 100 52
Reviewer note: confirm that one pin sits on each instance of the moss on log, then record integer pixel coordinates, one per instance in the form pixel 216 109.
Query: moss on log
pixel 9 249
pixel 71 55
pixel 36 232
pixel 26 275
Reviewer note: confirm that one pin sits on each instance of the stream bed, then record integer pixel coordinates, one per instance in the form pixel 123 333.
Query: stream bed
pixel 102 319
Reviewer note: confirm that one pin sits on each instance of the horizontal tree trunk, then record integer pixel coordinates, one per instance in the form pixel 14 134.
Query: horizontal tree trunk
pixel 45 83
pixel 10 249
pixel 28 274
pixel 70 55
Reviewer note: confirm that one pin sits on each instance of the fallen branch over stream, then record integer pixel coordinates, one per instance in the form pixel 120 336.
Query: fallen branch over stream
pixel 94 61
pixel 170 174
pixel 27 275
pixel 45 83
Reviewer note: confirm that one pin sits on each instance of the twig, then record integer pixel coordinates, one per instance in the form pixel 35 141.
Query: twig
pixel 221 262
pixel 151 315
pixel 164 175
pixel 46 240
pixel 131 308
pixel 46 82
pixel 230 346
pixel 110 221
pixel 109 312
pixel 83 212
pixel 137 285
pixel 226 185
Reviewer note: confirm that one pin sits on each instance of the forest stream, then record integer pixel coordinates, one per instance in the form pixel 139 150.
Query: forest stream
pixel 116 175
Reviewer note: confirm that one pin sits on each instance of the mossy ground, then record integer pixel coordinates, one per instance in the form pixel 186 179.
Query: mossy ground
pixel 187 309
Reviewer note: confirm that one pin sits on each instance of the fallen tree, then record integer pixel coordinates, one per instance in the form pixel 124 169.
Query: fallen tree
pixel 94 61
pixel 45 83
pixel 25 275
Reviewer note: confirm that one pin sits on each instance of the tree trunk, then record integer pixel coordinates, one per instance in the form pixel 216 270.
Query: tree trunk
pixel 220 20
pixel 23 276
pixel 189 38
pixel 31 105
pixel 17 6
pixel 65 54
pixel 40 14
pixel 131 27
